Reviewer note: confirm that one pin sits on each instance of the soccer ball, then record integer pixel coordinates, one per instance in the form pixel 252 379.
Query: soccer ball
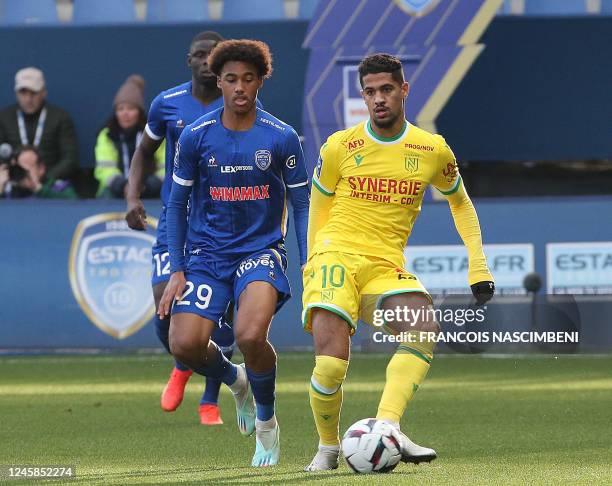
pixel 371 445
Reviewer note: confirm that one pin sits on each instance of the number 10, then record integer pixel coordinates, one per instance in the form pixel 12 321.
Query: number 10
pixel 335 276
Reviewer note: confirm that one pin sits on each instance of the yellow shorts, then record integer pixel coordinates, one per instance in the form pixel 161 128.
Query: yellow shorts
pixel 352 286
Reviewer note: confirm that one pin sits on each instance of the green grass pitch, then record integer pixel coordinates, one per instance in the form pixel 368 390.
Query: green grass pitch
pixel 540 420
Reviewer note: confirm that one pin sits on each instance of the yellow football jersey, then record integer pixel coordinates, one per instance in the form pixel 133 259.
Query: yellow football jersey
pixel 378 186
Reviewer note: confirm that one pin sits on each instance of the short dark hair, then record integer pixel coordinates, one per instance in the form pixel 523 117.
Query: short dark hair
pixel 244 50
pixel 381 63
pixel 206 35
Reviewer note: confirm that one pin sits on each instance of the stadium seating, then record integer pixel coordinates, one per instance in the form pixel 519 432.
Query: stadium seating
pixel 555 7
pixel 19 12
pixel 307 8
pixel 177 10
pixel 256 10
pixel 103 11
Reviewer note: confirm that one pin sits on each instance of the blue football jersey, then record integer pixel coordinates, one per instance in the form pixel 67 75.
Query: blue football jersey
pixel 240 181
pixel 171 111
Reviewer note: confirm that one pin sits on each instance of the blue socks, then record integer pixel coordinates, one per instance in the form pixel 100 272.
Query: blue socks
pixel 211 391
pixel 263 386
pixel 220 368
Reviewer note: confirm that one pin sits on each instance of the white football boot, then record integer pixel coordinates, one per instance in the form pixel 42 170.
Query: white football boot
pixel 325 459
pixel 412 452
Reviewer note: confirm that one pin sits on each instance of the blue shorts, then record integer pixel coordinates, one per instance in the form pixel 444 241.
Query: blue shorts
pixel 160 257
pixel 213 284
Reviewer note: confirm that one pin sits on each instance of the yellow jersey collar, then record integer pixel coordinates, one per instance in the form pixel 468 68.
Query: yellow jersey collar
pixel 385 140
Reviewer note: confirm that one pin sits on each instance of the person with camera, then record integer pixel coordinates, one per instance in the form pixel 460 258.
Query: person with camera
pixel 25 175
pixel 33 121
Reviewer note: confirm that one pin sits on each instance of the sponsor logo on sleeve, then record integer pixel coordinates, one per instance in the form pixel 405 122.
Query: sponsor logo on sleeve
pixel 450 171
pixel 319 167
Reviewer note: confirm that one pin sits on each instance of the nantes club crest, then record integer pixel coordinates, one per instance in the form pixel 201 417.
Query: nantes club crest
pixel 417 8
pixel 110 273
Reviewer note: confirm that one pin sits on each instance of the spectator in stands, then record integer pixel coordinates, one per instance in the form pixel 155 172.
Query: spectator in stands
pixel 33 121
pixel 118 140
pixel 26 175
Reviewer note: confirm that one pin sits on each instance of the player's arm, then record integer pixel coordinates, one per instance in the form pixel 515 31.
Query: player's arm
pixel 448 181
pixel 185 163
pixel 144 157
pixel 296 182
pixel 324 181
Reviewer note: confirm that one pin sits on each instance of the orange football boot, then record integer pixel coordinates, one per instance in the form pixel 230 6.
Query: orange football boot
pixel 172 396
pixel 210 414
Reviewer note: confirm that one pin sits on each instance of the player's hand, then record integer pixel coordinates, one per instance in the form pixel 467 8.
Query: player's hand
pixel 174 290
pixel 483 291
pixel 136 216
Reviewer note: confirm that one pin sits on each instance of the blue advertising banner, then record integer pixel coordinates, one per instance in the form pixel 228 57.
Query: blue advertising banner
pixel 579 268
pixel 443 268
pixel 44 290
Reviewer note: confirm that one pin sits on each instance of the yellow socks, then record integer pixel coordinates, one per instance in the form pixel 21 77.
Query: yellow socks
pixel 326 397
pixel 405 372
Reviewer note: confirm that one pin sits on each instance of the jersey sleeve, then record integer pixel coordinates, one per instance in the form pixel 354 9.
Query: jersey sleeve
pixel 294 167
pixel 446 178
pixel 296 181
pixel 156 124
pixel 326 173
pixel 185 159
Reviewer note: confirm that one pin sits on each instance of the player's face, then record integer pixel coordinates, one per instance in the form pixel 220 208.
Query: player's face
pixel 198 62
pixel 239 83
pixel 384 98
pixel 30 101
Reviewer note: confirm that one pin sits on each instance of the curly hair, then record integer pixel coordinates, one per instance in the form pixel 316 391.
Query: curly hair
pixel 244 50
pixel 381 63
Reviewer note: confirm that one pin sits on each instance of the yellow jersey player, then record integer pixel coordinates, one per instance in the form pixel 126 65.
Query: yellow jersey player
pixel 367 192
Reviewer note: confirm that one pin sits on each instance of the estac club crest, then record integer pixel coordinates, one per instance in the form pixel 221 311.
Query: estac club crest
pixel 263 159
pixel 417 8
pixel 110 273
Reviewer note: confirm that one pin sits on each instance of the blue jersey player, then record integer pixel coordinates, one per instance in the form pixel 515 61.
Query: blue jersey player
pixel 170 112
pixel 239 165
